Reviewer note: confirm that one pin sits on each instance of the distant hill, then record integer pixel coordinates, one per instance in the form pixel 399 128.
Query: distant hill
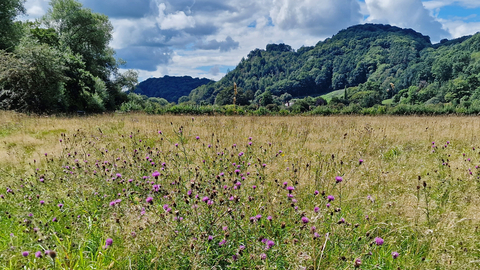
pixel 398 64
pixel 169 87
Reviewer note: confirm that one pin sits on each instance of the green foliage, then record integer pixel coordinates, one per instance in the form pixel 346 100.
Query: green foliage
pixel 32 79
pixel 10 31
pixel 170 88
pixel 63 62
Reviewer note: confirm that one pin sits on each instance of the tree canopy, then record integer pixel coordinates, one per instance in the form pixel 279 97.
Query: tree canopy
pixel 63 63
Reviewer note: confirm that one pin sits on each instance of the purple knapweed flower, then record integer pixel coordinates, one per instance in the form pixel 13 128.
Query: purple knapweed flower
pixel 198 137
pixel 395 255
pixel 205 199
pixel 156 174
pixel 360 161
pixel 316 192
pixel 149 200
pixel 269 218
pixel 270 244
pixel 379 241
pixel 38 254
pixel 25 254
pixel 263 256
pixel 240 154
pixel 316 209
pixel 330 198
pixel 210 237
pixel 60 205
pixel 305 220
pixel 338 179
pixel 54 219
pixel 221 243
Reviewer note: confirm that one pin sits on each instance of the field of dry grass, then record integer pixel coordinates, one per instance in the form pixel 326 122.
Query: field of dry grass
pixel 417 187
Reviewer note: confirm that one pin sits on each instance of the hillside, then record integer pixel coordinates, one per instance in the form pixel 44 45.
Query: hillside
pixel 169 88
pixel 372 62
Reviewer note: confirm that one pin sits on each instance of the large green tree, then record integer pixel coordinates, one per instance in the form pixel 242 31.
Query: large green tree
pixel 95 82
pixel 10 30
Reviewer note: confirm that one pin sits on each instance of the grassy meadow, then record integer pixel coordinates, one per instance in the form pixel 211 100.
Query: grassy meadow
pixel 134 191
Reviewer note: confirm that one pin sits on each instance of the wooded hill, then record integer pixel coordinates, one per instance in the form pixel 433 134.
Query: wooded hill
pixel 168 87
pixel 372 62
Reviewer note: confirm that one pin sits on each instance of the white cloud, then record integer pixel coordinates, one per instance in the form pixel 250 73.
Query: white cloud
pixel 406 14
pixel 315 16
pixel 460 28
pixel 176 21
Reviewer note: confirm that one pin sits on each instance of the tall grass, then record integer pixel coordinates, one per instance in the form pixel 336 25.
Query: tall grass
pixel 172 192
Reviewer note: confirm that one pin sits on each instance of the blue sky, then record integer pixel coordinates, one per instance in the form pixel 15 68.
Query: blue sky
pixel 206 38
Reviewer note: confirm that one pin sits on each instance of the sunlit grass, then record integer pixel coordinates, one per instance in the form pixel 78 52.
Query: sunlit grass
pixel 239 192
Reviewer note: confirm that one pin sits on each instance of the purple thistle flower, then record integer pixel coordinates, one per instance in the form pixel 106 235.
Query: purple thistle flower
pixel 316 209
pixel 205 199
pixel 269 218
pixel 315 192
pixel 108 242
pixel 155 174
pixel 60 205
pixel 198 138
pixel 395 255
pixel 221 243
pixel 25 253
pixel 290 188
pixel 42 202
pixel 328 205
pixel 240 154
pixel 357 263
pixel 338 179
pixel 379 241
pixel 210 237
pixel 235 257
pixel 316 235
pixel 119 175
pixel 38 254
pixel 360 161
pixel 54 219
pixel 330 198
pixel 270 244
pixel 263 256
pixel 241 247
pixel 305 220
pixel 149 200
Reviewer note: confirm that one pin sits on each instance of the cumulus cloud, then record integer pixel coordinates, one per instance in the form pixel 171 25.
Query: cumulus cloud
pixel 406 14
pixel 146 58
pixel 315 16
pixel 224 46
pixel 176 21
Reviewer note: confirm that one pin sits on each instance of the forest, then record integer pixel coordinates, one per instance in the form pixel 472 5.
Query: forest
pixel 372 64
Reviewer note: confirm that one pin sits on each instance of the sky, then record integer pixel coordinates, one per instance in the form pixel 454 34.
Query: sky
pixel 206 38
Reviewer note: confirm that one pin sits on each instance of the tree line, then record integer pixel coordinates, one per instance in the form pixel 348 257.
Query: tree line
pixel 371 63
pixel 61 62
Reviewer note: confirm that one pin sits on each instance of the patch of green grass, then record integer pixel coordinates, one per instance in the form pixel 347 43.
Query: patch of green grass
pixel 336 93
